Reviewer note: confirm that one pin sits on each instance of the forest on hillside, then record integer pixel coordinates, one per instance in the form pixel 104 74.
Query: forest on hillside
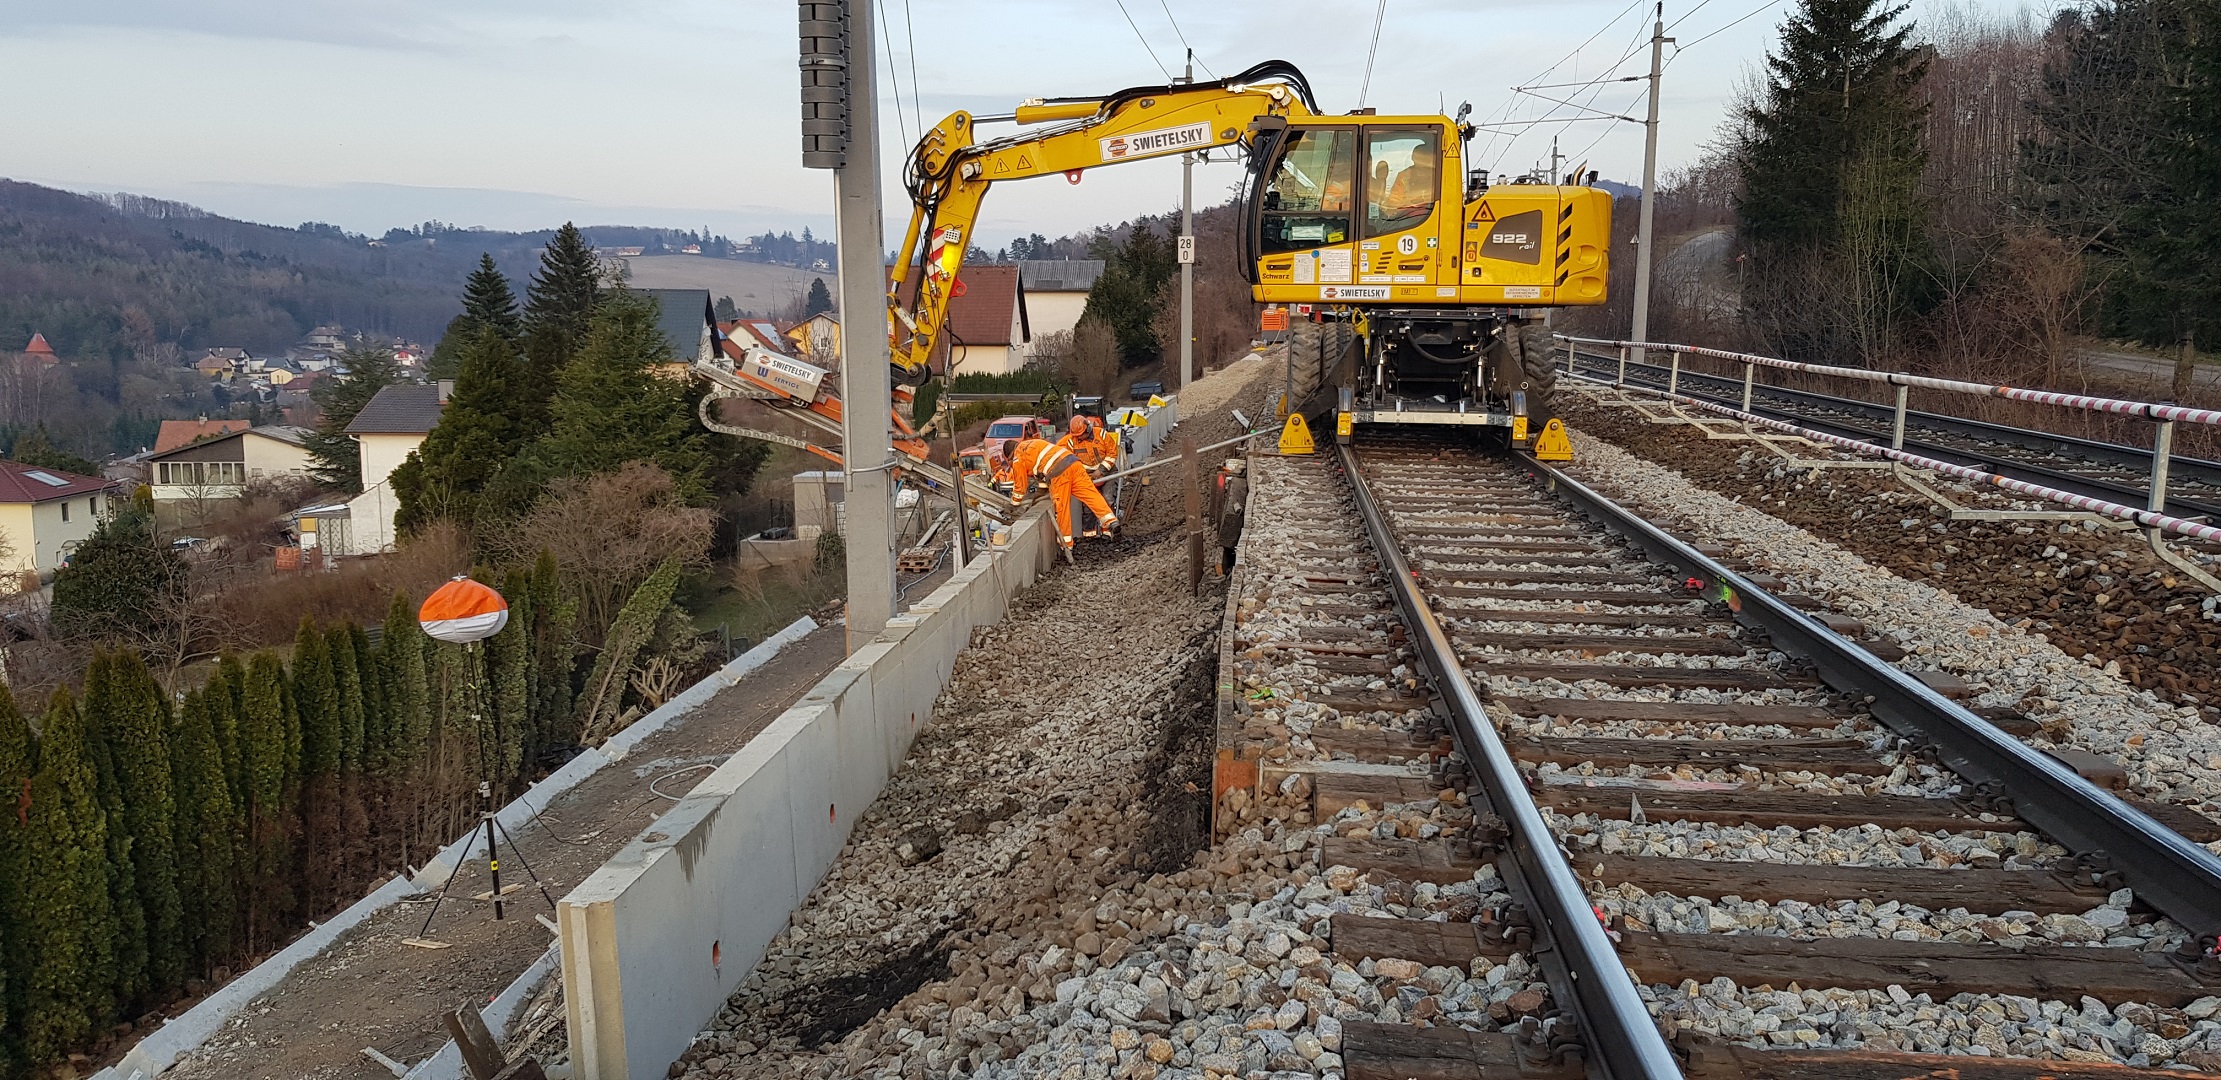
pixel 1973 195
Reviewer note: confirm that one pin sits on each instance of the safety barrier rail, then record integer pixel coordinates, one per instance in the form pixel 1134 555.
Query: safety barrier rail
pixel 2150 519
pixel 2165 416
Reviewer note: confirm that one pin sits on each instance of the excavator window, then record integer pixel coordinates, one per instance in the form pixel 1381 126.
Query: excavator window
pixel 1308 200
pixel 1404 176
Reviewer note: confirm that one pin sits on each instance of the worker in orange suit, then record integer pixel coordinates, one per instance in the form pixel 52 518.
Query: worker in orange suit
pixel 1067 480
pixel 1096 449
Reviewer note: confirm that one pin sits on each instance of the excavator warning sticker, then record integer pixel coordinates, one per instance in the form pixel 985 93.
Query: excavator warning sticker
pixel 1161 141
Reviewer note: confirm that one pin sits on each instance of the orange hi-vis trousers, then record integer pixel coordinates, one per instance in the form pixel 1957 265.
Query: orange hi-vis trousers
pixel 1074 483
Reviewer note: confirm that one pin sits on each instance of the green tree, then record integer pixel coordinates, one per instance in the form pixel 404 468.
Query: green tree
pixel 488 304
pixel 819 301
pixel 482 427
pixel 119 581
pixel 130 715
pixel 351 703
pixel 559 306
pixel 1125 295
pixel 612 406
pixel 206 819
pixel 336 459
pixel 16 768
pixel 508 670
pixel 267 765
pixel 1831 161
pixel 553 613
pixel 103 702
pixel 407 692
pixel 34 447
pixel 635 627
pixel 68 925
pixel 316 704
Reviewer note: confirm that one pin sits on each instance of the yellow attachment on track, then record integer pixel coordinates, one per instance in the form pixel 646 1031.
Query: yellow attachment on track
pixel 1295 437
pixel 1552 444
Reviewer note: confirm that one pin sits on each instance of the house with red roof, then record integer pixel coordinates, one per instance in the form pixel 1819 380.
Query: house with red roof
pixel 45 513
pixel 40 351
pixel 176 433
pixel 987 330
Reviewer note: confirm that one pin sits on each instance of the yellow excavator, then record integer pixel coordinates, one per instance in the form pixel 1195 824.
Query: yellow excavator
pixel 1418 289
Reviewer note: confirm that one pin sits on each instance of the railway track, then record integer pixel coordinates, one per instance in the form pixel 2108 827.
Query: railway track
pixel 2089 467
pixel 1591 802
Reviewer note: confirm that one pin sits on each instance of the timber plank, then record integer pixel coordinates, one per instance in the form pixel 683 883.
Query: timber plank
pixel 1374 744
pixel 1401 1052
pixel 1714 1060
pixel 1330 792
pixel 1769 809
pixel 1674 712
pixel 1632 597
pixel 1411 860
pixel 1539 577
pixel 1779 755
pixel 1369 704
pixel 2191 824
pixel 1604 643
pixel 1977 890
pixel 1677 677
pixel 1435 944
pixel 1593 618
pixel 1939 969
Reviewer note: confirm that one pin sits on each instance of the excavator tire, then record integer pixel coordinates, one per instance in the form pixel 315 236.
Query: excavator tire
pixel 1315 349
pixel 1532 339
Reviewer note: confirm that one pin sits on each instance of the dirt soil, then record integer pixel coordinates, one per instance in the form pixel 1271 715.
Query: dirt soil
pixel 371 990
pixel 2100 595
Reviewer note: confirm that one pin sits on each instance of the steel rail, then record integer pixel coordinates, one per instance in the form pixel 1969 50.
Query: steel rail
pixel 2093 451
pixel 2180 879
pixel 1578 958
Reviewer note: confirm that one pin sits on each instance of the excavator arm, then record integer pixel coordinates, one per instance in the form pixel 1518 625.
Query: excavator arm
pixel 949 173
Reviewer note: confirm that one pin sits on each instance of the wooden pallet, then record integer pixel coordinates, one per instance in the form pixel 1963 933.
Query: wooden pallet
pixel 917 560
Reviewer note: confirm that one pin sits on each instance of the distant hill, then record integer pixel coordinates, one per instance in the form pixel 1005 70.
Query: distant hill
pixel 109 277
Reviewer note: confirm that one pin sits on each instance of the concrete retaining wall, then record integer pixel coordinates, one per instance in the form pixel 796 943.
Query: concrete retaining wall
pixel 657 939
pixel 190 1029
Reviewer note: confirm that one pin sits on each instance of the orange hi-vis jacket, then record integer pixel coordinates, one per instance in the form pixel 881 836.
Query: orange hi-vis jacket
pixel 1036 457
pixel 1068 483
pixel 1095 447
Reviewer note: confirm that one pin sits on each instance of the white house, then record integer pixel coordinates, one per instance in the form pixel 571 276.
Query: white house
pixel 217 468
pixel 387 430
pixel 46 513
pixel 1056 292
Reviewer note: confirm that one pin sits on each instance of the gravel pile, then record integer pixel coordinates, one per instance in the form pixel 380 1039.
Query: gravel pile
pixel 1867 845
pixel 2111 925
pixel 2082 700
pixel 1036 788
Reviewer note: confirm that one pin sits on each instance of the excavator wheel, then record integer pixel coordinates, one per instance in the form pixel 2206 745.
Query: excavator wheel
pixel 1315 349
pixel 1532 339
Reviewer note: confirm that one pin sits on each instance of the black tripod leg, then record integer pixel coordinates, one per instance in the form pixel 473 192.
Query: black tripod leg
pixel 493 864
pixel 519 853
pixel 438 900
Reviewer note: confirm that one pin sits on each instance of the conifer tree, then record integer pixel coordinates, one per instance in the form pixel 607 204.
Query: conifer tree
pixel 553 613
pixel 354 820
pixel 612 407
pixel 408 727
pixel 264 756
pixel 508 655
pixel 205 838
pixel 69 926
pixel 101 706
pixel 375 743
pixel 633 629
pixel 137 731
pixel 488 302
pixel 819 300
pixel 336 459
pixel 316 702
pixel 490 414
pixel 560 304
pixel 227 695
pixel 16 767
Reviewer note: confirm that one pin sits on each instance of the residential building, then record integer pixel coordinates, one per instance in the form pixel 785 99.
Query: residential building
pixel 689 322
pixel 38 351
pixel 817 339
pixel 219 467
pixel 387 431
pixel 46 513
pixel 987 326
pixel 177 433
pixel 240 361
pixel 221 368
pixel 756 333
pixel 1056 292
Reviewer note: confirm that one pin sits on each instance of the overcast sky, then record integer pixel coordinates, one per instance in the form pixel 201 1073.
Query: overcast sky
pixel 521 114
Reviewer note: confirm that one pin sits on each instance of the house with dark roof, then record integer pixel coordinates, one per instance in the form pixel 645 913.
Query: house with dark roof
pixel 387 430
pixel 1056 292
pixel 689 322
pixel 987 330
pixel 217 468
pixel 45 513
